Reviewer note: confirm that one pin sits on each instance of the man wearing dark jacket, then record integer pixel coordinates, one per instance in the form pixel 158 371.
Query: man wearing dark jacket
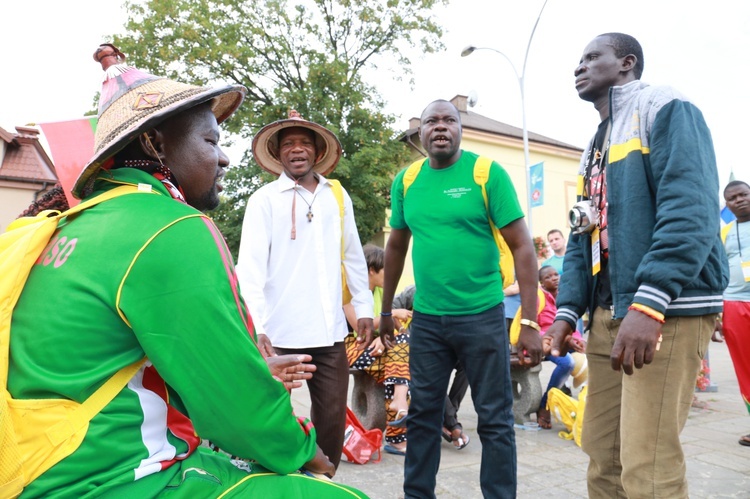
pixel 645 258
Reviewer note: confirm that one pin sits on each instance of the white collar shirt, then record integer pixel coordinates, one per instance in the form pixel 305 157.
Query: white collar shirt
pixel 293 286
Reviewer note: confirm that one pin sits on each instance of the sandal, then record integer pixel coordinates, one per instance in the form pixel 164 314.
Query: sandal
pixel 456 436
pixel 745 440
pixel 461 441
pixel 390 449
pixel 544 419
pixel 399 422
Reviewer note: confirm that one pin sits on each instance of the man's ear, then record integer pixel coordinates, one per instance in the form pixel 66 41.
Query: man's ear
pixel 628 63
pixel 319 156
pixel 152 144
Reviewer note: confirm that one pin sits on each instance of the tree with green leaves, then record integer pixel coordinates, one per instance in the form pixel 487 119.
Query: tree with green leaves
pixel 310 55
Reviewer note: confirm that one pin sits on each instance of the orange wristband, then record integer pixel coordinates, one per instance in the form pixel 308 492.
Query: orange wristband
pixel 646 310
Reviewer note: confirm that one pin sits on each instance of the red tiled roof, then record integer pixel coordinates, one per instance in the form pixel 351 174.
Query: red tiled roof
pixel 6 136
pixel 25 159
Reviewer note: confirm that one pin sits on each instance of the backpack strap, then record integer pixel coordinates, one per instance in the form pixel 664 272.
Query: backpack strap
pixel 411 173
pixel 481 177
pixel 85 412
pixel 112 193
pixel 338 193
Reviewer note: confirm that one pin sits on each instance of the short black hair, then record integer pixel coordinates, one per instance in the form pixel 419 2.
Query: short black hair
pixel 441 101
pixel 375 257
pixel 735 183
pixel 627 45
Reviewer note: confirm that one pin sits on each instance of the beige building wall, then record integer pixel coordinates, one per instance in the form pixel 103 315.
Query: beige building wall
pixel 14 200
pixel 560 173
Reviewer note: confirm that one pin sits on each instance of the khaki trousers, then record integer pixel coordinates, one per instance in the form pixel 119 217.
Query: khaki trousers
pixel 632 424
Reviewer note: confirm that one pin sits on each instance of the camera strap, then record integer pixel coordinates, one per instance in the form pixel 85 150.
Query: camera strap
pixel 599 162
pixel 599 240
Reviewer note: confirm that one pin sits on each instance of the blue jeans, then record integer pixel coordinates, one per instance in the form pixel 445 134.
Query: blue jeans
pixel 480 343
pixel 563 367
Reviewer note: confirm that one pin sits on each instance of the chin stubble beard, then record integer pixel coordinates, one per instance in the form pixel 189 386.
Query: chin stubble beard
pixel 209 201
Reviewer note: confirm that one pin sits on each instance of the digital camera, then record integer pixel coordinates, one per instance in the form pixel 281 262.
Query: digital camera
pixel 582 217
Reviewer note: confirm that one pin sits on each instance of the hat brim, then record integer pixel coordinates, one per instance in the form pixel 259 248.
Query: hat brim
pixel 226 101
pixel 265 146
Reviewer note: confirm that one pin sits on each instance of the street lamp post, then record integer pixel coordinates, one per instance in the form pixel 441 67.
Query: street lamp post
pixel 521 78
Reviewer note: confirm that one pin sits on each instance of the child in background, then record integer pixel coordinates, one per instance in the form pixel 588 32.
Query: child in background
pixel 549 280
pixel 387 366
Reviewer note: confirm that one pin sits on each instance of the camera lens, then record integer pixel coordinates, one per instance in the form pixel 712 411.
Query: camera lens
pixel 581 216
pixel 574 217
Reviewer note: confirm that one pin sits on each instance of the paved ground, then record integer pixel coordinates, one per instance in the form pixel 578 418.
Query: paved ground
pixel 548 466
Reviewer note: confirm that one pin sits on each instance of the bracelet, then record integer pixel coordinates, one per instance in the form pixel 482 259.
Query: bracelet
pixel 646 310
pixel 531 324
pixel 386 314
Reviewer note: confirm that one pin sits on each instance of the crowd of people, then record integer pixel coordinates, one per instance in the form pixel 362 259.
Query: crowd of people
pixel 217 349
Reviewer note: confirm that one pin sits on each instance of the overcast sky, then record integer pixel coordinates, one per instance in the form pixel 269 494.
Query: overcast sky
pixel 698 47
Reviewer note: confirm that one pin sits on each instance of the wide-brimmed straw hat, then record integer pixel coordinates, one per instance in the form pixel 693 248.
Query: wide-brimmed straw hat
pixel 266 145
pixel 133 102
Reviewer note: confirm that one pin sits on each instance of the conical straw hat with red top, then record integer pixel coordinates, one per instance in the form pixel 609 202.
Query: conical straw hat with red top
pixel 133 102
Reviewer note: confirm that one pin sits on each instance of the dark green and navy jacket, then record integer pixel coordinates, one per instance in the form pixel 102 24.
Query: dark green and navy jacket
pixel 663 220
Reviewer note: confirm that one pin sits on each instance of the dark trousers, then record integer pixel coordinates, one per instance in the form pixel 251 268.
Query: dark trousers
pixel 328 391
pixel 453 399
pixel 480 343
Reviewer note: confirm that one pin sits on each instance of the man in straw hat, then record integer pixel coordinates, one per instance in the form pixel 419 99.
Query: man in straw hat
pixel 297 233
pixel 148 275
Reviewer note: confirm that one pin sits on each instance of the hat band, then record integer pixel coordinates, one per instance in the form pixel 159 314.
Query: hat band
pixel 180 96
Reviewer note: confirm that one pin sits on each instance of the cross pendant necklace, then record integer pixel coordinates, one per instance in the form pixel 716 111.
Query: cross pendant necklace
pixel 309 205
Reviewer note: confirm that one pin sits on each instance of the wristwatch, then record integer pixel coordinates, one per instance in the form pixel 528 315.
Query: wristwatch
pixel 531 324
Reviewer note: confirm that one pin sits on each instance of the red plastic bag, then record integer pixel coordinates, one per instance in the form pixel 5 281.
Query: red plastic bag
pixel 360 445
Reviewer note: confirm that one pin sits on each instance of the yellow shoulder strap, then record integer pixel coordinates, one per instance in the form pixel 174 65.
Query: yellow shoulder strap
pixel 90 407
pixel 481 176
pixel 112 193
pixel 411 173
pixel 515 326
pixel 47 214
pixel 338 193
pixel 725 230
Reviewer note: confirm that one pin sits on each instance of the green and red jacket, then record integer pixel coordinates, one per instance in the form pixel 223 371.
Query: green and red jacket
pixel 145 275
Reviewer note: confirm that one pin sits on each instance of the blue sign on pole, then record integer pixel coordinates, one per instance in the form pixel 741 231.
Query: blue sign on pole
pixel 536 190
